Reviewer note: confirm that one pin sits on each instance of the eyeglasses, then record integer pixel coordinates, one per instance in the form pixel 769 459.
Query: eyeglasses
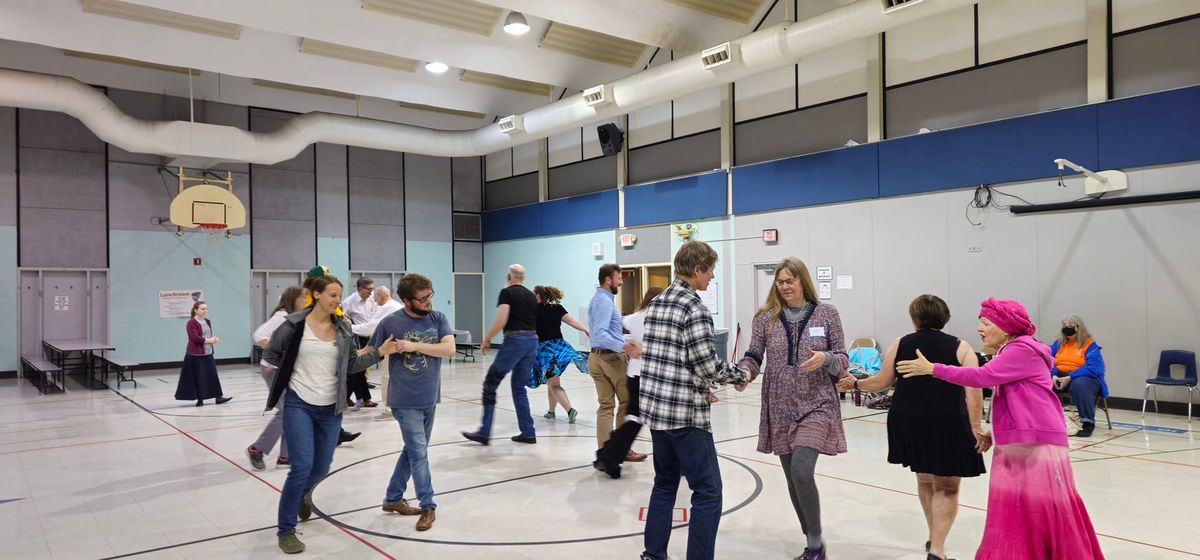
pixel 785 283
pixel 424 299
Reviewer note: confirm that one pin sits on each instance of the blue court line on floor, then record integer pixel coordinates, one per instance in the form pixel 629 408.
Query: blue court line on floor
pixel 6 500
pixel 1142 427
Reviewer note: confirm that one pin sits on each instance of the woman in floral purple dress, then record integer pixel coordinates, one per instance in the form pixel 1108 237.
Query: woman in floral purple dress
pixel 797 344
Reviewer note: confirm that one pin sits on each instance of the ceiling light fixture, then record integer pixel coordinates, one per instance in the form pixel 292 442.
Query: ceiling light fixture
pixel 515 24
pixel 436 67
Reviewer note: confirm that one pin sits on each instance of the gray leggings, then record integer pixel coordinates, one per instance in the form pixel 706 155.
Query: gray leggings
pixel 799 467
pixel 273 431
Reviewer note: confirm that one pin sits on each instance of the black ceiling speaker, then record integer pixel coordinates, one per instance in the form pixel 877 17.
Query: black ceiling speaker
pixel 610 138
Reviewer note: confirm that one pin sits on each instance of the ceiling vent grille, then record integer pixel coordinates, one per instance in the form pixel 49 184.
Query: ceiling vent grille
pixel 362 56
pixel 599 95
pixel 589 44
pixel 893 5
pixel 505 82
pixel 720 55
pixel 165 18
pixel 736 10
pixel 512 124
pixel 463 15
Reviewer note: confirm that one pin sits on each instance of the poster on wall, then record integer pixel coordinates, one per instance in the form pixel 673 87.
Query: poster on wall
pixel 709 297
pixel 177 303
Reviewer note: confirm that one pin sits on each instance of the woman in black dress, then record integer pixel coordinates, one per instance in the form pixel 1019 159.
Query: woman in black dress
pixel 933 426
pixel 198 379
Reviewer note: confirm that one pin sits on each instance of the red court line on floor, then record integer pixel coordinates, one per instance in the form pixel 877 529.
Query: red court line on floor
pixel 961 505
pixel 255 476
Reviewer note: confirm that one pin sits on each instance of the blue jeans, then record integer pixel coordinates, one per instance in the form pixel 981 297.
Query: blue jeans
pixel 1084 391
pixel 416 426
pixel 311 433
pixel 689 452
pixel 516 355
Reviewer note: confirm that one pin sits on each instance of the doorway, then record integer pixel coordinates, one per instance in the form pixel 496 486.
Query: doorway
pixel 63 304
pixel 637 278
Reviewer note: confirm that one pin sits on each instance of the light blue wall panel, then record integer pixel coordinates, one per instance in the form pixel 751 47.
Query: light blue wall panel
pixel 434 260
pixel 145 262
pixel 334 252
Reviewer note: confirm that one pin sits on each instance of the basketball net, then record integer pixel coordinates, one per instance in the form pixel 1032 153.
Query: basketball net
pixel 213 231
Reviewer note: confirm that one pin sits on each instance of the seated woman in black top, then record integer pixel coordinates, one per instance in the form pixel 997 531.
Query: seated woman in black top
pixel 554 353
pixel 933 426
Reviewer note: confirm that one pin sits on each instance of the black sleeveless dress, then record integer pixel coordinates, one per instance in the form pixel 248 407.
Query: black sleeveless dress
pixel 929 430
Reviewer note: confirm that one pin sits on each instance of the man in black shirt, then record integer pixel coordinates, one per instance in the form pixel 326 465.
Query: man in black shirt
pixel 516 312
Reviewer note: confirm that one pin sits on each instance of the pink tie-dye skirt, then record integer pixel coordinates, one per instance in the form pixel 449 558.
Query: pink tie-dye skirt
pixel 1034 511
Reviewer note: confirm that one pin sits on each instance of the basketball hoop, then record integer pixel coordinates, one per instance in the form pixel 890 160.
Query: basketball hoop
pixel 213 229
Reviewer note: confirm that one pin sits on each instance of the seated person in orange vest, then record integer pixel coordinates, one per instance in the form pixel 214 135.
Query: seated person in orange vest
pixel 1079 370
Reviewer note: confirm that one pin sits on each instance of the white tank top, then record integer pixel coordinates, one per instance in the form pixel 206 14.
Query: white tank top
pixel 314 378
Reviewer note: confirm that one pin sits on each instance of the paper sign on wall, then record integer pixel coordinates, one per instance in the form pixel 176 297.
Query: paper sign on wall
pixel 177 303
pixel 824 273
pixel 62 303
pixel 709 297
pixel 845 282
pixel 824 290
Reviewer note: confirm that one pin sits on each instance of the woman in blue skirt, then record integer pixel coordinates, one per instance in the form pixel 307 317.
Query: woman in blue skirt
pixel 554 353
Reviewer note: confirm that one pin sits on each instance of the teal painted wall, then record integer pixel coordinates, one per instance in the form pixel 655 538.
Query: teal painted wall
pixel 435 260
pixel 710 231
pixel 334 252
pixel 144 262
pixel 564 261
pixel 8 298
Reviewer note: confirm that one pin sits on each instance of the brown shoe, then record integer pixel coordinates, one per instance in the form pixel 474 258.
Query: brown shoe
pixel 635 457
pixel 426 520
pixel 370 404
pixel 401 507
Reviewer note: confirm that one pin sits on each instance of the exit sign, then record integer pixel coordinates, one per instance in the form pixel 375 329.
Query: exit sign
pixel 196 261
pixel 770 236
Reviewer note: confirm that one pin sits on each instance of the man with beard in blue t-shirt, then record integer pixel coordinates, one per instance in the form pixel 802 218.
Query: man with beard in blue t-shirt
pixel 414 382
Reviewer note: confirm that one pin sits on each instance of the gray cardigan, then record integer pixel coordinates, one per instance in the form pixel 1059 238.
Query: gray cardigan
pixel 284 345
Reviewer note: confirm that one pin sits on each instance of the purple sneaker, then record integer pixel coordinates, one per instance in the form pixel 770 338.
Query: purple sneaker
pixel 809 554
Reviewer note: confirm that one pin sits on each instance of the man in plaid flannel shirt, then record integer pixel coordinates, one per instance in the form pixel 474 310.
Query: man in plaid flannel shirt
pixel 679 363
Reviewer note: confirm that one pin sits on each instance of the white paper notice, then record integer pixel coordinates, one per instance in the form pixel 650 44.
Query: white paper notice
pixel 177 303
pixel 709 297
pixel 825 290
pixel 845 282
pixel 824 273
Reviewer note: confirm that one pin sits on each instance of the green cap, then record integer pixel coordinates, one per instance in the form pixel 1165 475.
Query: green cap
pixel 319 270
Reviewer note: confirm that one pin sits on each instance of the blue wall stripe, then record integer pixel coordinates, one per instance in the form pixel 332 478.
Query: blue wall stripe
pixel 1017 149
pixel 822 178
pixel 1150 129
pixel 580 213
pixel 512 223
pixel 686 198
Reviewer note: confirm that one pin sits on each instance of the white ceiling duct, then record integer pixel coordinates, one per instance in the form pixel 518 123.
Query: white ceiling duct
pixel 758 52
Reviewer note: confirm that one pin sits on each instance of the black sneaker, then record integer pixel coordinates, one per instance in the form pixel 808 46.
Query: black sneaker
pixel 522 439
pixel 1085 431
pixel 256 458
pixel 475 437
pixel 344 436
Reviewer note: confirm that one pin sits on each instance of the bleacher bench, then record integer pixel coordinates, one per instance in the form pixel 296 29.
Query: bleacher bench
pixel 122 367
pixel 44 374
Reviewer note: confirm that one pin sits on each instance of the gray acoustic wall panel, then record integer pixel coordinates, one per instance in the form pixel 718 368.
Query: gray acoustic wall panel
pixel 468 184
pixel 589 176
pixel 61 179
pixel 281 194
pixel 427 185
pixel 513 191
pixel 468 256
pixel 801 132
pixel 378 164
pixel 653 245
pixel 376 247
pixel 1156 59
pixel 1024 86
pixel 675 158
pixel 54 237
pixel 376 201
pixel 332 202
pixel 8 166
pixel 284 244
pixel 56 131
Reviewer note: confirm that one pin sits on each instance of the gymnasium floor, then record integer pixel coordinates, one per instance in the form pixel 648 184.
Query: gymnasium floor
pixel 136 474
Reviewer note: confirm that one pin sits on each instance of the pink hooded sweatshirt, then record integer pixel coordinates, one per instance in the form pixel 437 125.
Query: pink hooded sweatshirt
pixel 1024 407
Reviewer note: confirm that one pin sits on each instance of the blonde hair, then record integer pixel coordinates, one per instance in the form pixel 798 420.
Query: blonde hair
pixel 1081 331
pixel 774 304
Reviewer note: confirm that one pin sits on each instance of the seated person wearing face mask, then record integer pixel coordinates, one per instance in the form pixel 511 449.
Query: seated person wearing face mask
pixel 1079 370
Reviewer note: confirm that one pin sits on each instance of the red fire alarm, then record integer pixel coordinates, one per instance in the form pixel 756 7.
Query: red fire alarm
pixel 196 261
pixel 770 236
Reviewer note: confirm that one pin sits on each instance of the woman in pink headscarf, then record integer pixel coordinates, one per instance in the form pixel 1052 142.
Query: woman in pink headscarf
pixel 1034 511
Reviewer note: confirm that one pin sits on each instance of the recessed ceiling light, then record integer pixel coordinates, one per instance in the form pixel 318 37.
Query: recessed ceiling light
pixel 436 67
pixel 515 24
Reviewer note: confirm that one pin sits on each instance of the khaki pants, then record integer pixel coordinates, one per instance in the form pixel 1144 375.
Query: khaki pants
pixel 383 382
pixel 608 373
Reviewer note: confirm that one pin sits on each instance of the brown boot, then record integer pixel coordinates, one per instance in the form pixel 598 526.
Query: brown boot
pixel 401 507
pixel 635 457
pixel 428 515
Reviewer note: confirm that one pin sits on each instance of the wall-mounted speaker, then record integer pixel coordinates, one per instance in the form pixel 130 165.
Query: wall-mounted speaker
pixel 610 138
